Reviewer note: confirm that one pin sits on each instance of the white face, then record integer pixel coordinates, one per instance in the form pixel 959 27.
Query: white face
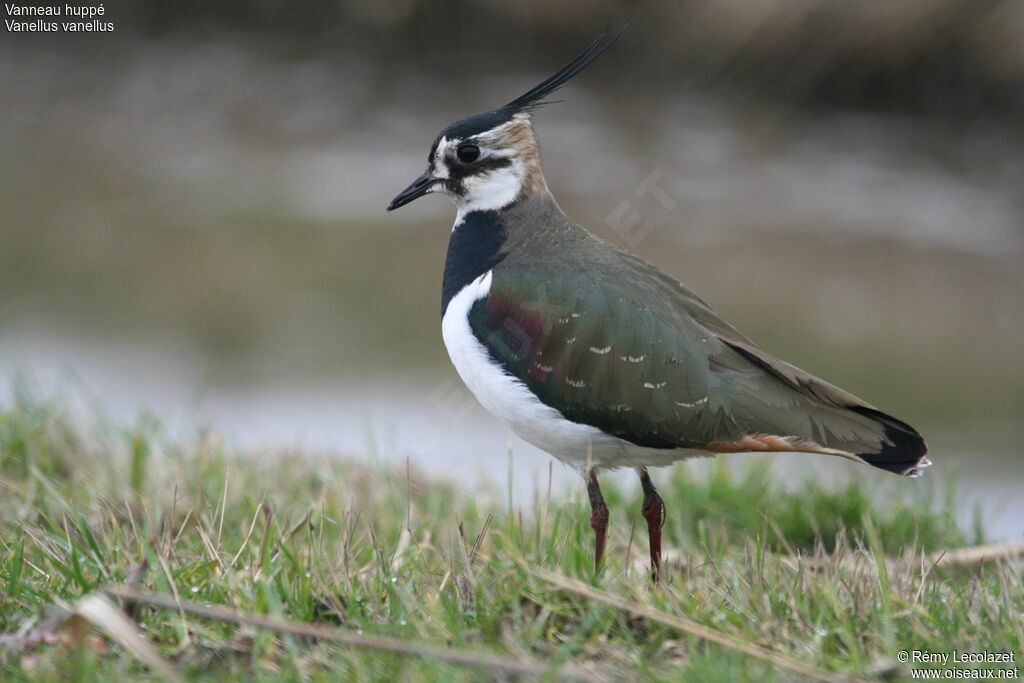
pixel 491 179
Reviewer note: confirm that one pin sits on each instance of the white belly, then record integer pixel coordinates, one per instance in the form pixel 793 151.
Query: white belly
pixel 509 399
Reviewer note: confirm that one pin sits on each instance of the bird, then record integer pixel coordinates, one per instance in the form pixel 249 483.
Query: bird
pixel 598 357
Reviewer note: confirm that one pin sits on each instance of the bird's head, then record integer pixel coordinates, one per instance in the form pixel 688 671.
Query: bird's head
pixel 489 160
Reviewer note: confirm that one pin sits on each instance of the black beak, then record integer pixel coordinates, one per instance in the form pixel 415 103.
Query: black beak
pixel 419 187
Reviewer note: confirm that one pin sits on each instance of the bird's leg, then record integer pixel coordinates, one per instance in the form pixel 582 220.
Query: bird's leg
pixel 654 512
pixel 598 517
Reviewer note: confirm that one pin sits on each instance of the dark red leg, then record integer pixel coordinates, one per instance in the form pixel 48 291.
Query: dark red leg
pixel 654 512
pixel 598 518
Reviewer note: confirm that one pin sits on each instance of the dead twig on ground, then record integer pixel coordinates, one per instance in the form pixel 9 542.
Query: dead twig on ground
pixel 498 664
pixel 682 624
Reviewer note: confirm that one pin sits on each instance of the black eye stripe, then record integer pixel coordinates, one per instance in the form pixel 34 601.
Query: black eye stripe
pixel 459 172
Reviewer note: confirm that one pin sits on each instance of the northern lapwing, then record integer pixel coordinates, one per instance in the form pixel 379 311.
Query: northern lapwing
pixel 598 357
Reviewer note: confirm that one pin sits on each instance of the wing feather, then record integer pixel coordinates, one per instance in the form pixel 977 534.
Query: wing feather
pixel 619 345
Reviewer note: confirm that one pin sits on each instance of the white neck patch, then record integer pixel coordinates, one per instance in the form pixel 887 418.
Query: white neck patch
pixel 493 190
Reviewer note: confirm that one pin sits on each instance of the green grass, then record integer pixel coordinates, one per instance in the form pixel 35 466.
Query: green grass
pixel 376 553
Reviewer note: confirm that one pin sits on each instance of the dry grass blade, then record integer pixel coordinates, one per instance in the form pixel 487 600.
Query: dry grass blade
pixel 248 535
pixel 965 557
pixel 104 615
pixel 497 664
pixel 404 538
pixel 680 623
pixel 863 562
pixel 478 543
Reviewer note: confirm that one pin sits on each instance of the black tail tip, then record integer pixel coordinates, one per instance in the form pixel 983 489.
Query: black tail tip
pixel 903 449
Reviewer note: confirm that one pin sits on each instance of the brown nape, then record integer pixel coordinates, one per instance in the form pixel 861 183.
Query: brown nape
pixel 520 136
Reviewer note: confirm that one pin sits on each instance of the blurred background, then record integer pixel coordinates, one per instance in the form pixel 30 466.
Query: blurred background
pixel 192 210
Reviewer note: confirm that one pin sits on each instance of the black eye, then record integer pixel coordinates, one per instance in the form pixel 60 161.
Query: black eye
pixel 468 153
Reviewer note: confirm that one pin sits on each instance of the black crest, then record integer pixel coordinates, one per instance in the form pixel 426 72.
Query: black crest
pixel 479 123
pixel 534 97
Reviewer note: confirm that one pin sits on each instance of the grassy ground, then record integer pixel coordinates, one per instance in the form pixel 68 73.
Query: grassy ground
pixel 289 566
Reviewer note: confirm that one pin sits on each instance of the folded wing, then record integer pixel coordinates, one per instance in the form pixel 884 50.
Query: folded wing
pixel 652 364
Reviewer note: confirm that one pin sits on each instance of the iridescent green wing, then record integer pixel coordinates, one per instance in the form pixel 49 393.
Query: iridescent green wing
pixel 623 347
